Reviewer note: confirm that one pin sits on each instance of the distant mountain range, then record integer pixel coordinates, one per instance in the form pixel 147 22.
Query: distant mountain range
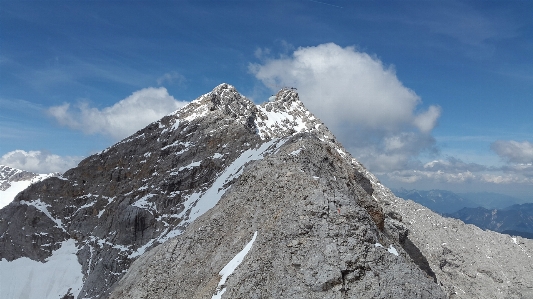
pixel 440 201
pixel 515 220
pixel 492 211
pixel 491 200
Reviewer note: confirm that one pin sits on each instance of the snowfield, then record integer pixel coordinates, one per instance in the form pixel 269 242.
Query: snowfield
pixel 24 278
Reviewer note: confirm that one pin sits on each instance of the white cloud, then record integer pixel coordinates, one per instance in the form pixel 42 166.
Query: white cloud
pixel 426 121
pixel 261 53
pixel 123 118
pixel 38 161
pixel 343 85
pixel 450 177
pixel 454 165
pixel 359 99
pixel 455 171
pixel 412 176
pixel 514 151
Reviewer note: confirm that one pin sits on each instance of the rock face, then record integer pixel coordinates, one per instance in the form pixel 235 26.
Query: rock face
pixel 467 261
pixel 9 175
pixel 161 213
pixel 315 238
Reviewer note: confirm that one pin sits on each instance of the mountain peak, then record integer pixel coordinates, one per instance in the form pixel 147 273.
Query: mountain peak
pixel 13 181
pixel 286 115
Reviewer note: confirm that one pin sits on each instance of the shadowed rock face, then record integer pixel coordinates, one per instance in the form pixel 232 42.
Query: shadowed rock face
pixel 200 182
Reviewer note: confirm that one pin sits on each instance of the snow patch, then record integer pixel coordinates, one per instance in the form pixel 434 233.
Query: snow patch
pixel 230 267
pixel 176 125
pixel 43 207
pixel 280 120
pixel 199 203
pixel 192 165
pixel 143 203
pixel 391 249
pixel 24 278
pixel 296 152
pixel 200 111
pixel 7 196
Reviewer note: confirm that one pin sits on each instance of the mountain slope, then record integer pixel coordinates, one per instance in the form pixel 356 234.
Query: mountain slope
pixel 490 200
pixel 146 188
pixel 468 262
pixel 13 180
pixel 315 239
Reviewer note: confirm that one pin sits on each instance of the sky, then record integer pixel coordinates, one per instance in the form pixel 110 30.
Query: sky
pixel 426 94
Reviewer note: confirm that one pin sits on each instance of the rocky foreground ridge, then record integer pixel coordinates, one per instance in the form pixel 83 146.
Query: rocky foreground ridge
pixel 163 212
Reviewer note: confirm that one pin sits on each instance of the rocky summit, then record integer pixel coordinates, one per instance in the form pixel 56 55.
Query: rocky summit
pixel 227 199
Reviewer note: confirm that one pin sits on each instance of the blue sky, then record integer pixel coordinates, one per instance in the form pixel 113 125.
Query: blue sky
pixel 447 85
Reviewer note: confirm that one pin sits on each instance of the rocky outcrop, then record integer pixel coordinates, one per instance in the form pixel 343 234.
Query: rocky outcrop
pixel 467 261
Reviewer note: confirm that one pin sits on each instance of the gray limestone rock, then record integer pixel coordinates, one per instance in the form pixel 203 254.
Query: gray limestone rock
pixel 315 239
pixel 467 261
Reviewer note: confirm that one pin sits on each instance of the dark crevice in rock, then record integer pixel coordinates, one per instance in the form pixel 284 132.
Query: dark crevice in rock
pixel 418 258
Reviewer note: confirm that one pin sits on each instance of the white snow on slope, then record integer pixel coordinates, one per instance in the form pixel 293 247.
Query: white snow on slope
pixel 143 203
pixel 230 267
pixel 199 203
pixel 43 207
pixel 391 249
pixel 7 196
pixel 280 120
pixel 24 278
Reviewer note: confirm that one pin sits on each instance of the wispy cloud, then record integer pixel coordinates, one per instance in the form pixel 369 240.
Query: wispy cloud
pixel 123 118
pixel 171 78
pixel 467 24
pixel 456 171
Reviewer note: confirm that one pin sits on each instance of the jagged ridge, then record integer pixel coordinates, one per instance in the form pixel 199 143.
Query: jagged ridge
pixel 150 186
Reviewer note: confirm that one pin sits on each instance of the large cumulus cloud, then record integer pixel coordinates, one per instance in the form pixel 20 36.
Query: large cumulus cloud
pixel 123 118
pixel 360 99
